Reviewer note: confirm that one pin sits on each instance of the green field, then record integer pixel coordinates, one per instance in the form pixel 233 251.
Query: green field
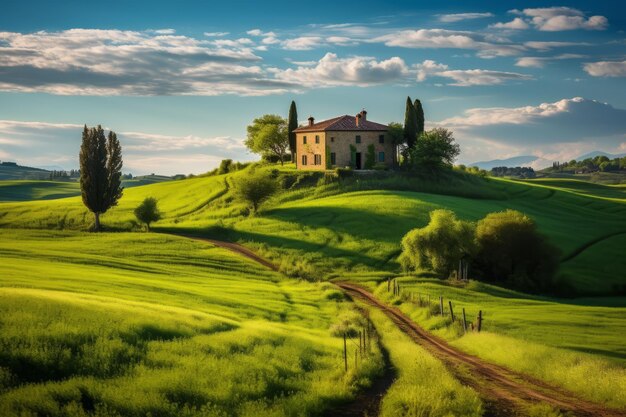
pixel 348 230
pixel 136 324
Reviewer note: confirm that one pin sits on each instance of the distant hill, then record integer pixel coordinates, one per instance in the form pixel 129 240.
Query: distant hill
pixel 516 161
pixel 593 154
pixel 12 171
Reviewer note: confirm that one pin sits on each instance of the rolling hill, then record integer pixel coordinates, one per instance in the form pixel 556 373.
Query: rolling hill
pixel 319 230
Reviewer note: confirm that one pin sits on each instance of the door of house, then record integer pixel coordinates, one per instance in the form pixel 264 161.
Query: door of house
pixel 358 160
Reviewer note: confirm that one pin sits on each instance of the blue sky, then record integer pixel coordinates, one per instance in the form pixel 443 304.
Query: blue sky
pixel 179 81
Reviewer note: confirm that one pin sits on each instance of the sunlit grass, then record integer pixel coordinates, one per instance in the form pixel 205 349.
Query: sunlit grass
pixel 424 387
pixel 137 324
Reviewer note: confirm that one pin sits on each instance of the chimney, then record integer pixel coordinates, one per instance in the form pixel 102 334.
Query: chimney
pixel 364 115
pixel 358 119
pixel 311 120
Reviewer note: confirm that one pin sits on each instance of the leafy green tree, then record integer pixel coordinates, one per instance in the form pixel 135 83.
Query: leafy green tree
pixel 510 250
pixel 293 125
pixel 255 189
pixel 419 114
pixel 100 171
pixel 435 150
pixel 439 246
pixel 225 166
pixel 410 124
pixel 267 135
pixel 148 212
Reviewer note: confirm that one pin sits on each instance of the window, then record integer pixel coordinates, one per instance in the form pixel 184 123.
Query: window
pixel 358 138
pixel 317 139
pixel 381 138
pixel 332 139
pixel 381 157
pixel 304 139
pixel 318 159
pixel 304 159
pixel 333 158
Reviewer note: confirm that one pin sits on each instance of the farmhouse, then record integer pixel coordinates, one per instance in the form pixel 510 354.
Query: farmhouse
pixel 344 141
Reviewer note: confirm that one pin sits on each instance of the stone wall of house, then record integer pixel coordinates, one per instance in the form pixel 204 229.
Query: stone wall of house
pixel 310 149
pixel 339 143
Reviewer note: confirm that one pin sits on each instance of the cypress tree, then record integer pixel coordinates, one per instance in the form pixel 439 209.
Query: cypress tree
pixel 410 124
pixel 293 125
pixel 100 171
pixel 419 112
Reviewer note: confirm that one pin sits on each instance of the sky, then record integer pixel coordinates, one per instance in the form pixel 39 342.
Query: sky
pixel 180 81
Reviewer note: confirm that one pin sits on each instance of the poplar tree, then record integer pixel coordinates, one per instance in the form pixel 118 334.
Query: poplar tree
pixel 419 113
pixel 293 125
pixel 100 171
pixel 410 124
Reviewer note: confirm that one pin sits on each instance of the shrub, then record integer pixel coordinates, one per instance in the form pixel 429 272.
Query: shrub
pixel 225 166
pixel 148 212
pixel 343 173
pixel 434 150
pixel 510 250
pixel 440 245
pixel 255 189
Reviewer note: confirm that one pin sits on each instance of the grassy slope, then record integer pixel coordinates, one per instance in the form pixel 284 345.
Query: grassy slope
pixel 137 324
pixel 574 344
pixel 323 233
pixel 25 190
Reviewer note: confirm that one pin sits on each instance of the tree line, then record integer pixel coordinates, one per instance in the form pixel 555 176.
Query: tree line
pixel 503 248
pixel 599 163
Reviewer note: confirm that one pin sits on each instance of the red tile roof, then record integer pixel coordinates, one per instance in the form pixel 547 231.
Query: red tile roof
pixel 342 123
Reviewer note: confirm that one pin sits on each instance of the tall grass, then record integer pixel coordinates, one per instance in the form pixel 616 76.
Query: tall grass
pixel 424 387
pixel 138 324
pixel 545 338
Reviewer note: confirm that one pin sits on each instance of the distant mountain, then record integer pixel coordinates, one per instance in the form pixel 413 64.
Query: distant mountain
pixel 516 161
pixel 593 154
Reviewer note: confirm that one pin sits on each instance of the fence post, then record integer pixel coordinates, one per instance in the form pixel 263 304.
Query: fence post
pixel 480 320
pixel 388 283
pixel 441 305
pixel 345 351
pixel 451 311
pixel 464 322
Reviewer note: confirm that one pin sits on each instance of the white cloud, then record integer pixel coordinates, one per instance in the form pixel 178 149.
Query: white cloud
pixel 517 24
pixel 553 19
pixel 606 68
pixel 466 78
pixel 39 143
pixel 115 62
pixel 564 120
pixel 358 71
pixel 554 131
pixel 539 62
pixel 487 45
pixel 457 17
pixel 549 45
pixel 303 43
pixel 216 34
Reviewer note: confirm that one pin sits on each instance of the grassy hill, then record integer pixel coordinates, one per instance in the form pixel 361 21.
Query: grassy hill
pixel 138 324
pixel 9 171
pixel 323 229
pixel 356 225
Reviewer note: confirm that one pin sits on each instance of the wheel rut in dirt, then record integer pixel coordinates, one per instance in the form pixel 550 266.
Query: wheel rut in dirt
pixel 504 392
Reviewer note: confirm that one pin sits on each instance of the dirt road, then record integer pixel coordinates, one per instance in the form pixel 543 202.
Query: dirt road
pixel 504 392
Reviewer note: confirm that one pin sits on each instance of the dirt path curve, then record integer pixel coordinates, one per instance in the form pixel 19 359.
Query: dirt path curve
pixel 504 392
pixel 235 247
